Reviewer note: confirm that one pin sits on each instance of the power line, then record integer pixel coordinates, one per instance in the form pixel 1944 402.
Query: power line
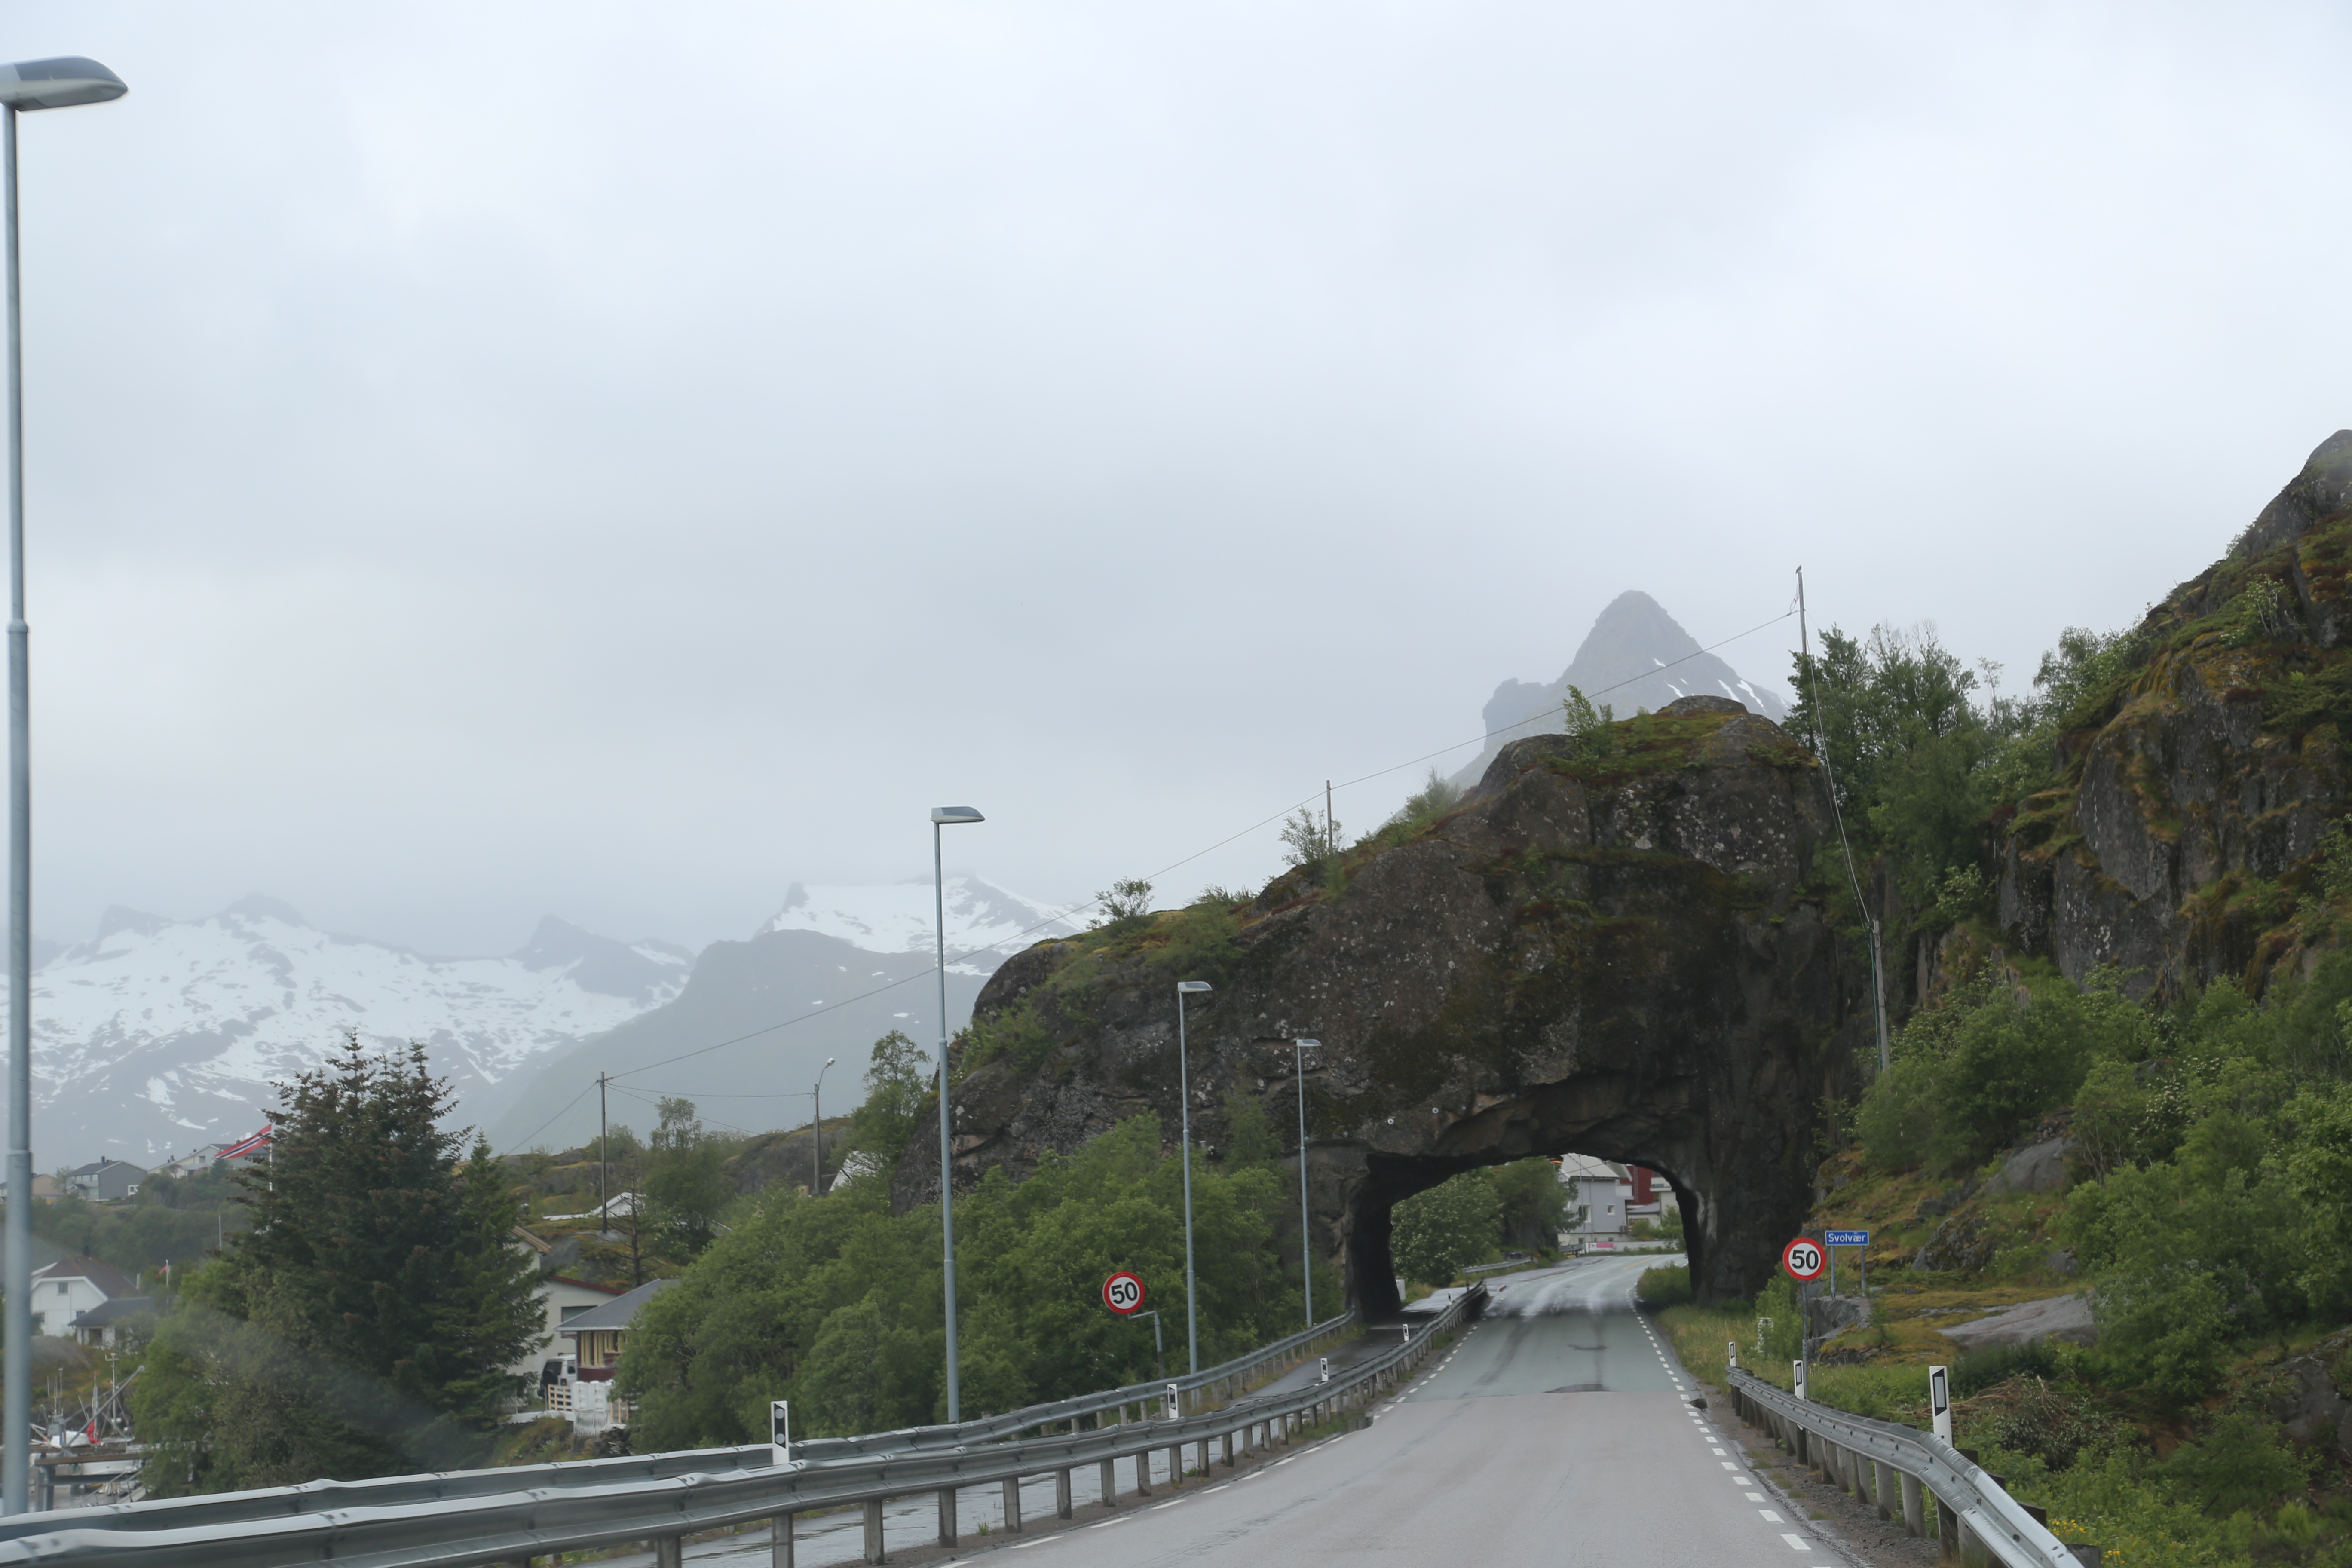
pixel 1062 916
pixel 551 1122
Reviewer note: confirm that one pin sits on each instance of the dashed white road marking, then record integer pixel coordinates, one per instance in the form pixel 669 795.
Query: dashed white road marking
pixel 1770 1517
pixel 1795 1541
pixel 1106 1524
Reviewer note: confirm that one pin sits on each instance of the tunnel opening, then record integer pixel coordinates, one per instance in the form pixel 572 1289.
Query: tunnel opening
pixel 1388 1180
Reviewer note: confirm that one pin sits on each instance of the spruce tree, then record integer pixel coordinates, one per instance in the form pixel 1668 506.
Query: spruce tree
pixel 363 1324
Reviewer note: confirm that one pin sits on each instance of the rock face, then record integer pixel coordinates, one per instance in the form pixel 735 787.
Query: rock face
pixel 2195 795
pixel 1620 955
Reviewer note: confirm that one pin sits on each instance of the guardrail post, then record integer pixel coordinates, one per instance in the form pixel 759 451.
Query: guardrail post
pixel 947 1516
pixel 1013 1505
pixel 1144 1473
pixel 780 1541
pixel 1175 1466
pixel 1062 1508
pixel 670 1551
pixel 1914 1513
pixel 1947 1529
pixel 1229 1450
pixel 874 1551
pixel 1884 1474
pixel 1109 1483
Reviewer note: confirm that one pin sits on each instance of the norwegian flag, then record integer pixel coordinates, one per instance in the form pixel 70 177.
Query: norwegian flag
pixel 253 1145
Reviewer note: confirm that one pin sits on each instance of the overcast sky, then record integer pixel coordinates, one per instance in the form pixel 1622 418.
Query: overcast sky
pixel 497 459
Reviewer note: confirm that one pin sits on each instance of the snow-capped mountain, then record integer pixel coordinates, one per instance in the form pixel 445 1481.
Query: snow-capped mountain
pixel 160 1035
pixel 836 970
pixel 1635 657
pixel 986 924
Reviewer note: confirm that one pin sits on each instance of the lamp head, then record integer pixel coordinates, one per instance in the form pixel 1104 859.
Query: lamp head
pixel 1183 986
pixel 829 1061
pixel 61 83
pixel 947 816
pixel 1304 1044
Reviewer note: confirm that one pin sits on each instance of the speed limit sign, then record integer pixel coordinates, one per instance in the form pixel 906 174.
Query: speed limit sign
pixel 1122 1293
pixel 1804 1260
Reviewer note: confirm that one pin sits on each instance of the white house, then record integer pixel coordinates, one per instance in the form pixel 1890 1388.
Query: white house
pixel 561 1299
pixel 1598 1194
pixel 72 1286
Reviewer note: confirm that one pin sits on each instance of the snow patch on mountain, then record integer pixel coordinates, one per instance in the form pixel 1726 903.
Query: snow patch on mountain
pixel 160 1035
pixel 986 924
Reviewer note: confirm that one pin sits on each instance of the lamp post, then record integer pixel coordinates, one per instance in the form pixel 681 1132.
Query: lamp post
pixel 945 816
pixel 28 85
pixel 816 1125
pixel 1184 1098
pixel 1306 1247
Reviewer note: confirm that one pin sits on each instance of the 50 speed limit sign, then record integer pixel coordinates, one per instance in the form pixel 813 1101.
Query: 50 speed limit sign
pixel 1122 1293
pixel 1804 1260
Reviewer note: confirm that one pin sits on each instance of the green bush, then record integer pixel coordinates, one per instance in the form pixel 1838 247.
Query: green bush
pixel 1985 1366
pixel 1438 1231
pixel 2238 1464
pixel 834 1302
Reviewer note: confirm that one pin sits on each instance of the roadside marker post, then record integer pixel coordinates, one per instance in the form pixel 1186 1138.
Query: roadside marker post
pixel 780 1430
pixel 1940 1400
pixel 1798 1366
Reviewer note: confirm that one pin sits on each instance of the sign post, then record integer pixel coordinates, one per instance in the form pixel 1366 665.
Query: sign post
pixel 1834 1240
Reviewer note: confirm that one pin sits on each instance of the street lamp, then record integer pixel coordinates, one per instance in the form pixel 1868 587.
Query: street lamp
pixel 816 1124
pixel 947 817
pixel 1306 1246
pixel 1184 1095
pixel 28 85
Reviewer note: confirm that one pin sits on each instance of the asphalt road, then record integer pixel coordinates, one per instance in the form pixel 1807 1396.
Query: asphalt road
pixel 1555 1432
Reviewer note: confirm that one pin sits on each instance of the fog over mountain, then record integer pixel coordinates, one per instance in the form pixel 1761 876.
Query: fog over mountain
pixel 157 1036
pixel 1635 657
pixel 833 970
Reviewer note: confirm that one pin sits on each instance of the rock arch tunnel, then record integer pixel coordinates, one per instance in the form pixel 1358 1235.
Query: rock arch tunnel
pixel 1625 951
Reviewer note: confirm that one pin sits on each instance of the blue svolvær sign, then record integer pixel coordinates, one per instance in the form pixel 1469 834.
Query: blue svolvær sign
pixel 1845 1238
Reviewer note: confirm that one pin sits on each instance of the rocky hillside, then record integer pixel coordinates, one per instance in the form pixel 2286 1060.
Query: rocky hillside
pixel 2186 835
pixel 1615 945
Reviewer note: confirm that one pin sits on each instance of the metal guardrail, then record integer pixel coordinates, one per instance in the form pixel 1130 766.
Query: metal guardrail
pixel 316 1497
pixel 1991 1525
pixel 993 1428
pixel 462 1528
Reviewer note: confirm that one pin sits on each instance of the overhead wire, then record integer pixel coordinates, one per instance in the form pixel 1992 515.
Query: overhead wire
pixel 1064 916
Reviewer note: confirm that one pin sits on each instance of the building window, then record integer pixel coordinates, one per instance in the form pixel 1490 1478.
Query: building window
pixel 63 1287
pixel 571 1313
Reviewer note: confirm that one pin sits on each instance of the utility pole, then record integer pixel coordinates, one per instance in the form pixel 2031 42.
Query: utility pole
pixel 1331 834
pixel 1822 750
pixel 603 1160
